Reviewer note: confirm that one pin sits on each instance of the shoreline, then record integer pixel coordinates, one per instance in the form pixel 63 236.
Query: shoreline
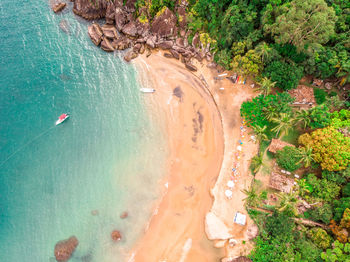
pixel 196 121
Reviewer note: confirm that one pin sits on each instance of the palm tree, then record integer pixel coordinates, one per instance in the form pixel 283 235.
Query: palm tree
pixel 284 123
pixel 270 112
pixel 263 50
pixel 257 163
pixel 253 197
pixel 306 155
pixel 259 132
pixel 303 117
pixel 265 86
pixel 289 202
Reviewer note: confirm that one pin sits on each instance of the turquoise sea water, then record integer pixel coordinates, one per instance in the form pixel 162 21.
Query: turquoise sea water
pixel 107 157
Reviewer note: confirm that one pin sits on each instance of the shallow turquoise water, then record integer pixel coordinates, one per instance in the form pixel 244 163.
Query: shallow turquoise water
pixel 107 157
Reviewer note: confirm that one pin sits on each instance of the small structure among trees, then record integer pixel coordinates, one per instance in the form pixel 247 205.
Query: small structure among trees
pixel 304 96
pixel 281 182
pixel 277 144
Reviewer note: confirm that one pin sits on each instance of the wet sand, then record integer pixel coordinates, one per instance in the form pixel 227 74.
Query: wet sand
pixel 202 124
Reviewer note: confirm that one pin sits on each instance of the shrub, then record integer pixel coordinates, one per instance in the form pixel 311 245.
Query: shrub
pixel 346 190
pixel 323 214
pixel 339 252
pixel 320 95
pixel 288 158
pixel 340 206
pixel 320 237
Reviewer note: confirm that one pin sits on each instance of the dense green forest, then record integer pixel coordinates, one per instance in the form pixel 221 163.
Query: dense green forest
pixel 280 40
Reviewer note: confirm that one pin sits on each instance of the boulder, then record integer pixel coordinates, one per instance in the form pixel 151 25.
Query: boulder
pixel 168 55
pixel 110 13
pixel 58 7
pixel 130 29
pixel 106 45
pixel 165 44
pixel 215 228
pixel 109 31
pixel 164 23
pixel 89 10
pixel 124 215
pixel 142 49
pixel 191 67
pixel 130 6
pixel 195 40
pixel 175 54
pixel 120 18
pixel 122 43
pixel 143 28
pixel 130 55
pixel 151 41
pixel 65 248
pixel 137 47
pixel 148 52
pixel 116 235
pixel 179 49
pixel 95 33
pixel 180 42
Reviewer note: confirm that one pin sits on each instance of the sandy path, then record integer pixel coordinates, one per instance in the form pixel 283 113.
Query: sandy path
pixel 176 232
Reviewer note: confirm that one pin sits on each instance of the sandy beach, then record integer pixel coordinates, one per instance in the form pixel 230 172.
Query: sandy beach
pixel 203 126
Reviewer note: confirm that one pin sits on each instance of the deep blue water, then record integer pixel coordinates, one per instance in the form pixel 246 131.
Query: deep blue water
pixel 102 158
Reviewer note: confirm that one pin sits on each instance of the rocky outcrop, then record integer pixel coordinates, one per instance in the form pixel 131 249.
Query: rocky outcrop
pixel 110 13
pixel 106 45
pixel 109 31
pixel 65 248
pixel 122 43
pixel 130 55
pixel 116 235
pixel 58 7
pixel 95 33
pixel 91 9
pixel 164 23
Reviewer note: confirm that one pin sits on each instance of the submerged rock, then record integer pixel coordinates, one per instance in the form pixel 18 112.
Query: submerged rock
pixel 116 235
pixel 124 215
pixel 64 26
pixel 65 248
pixel 58 7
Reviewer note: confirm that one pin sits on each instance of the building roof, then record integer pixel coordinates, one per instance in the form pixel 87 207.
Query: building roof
pixel 240 219
pixel 281 182
pixel 303 95
pixel 277 144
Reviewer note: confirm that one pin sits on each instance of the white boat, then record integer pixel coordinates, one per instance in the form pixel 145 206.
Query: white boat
pixel 147 90
pixel 61 118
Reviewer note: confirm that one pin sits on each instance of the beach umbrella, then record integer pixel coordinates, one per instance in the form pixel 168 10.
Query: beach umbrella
pixel 239 148
pixel 228 193
pixel 230 184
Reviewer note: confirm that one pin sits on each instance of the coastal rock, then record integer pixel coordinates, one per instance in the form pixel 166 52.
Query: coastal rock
pixel 164 23
pixel 65 248
pixel 110 13
pixel 148 52
pixel 95 33
pixel 116 235
pixel 120 18
pixel 122 43
pixel 137 47
pixel 165 44
pixel 143 28
pixel 175 54
pixel 124 215
pixel 58 7
pixel 130 55
pixel 106 45
pixel 130 6
pixel 109 31
pixel 89 9
pixel 142 49
pixel 215 228
pixel 191 67
pixel 180 50
pixel 168 55
pixel 130 29
pixel 181 12
pixel 180 42
pixel 195 40
pixel 151 41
